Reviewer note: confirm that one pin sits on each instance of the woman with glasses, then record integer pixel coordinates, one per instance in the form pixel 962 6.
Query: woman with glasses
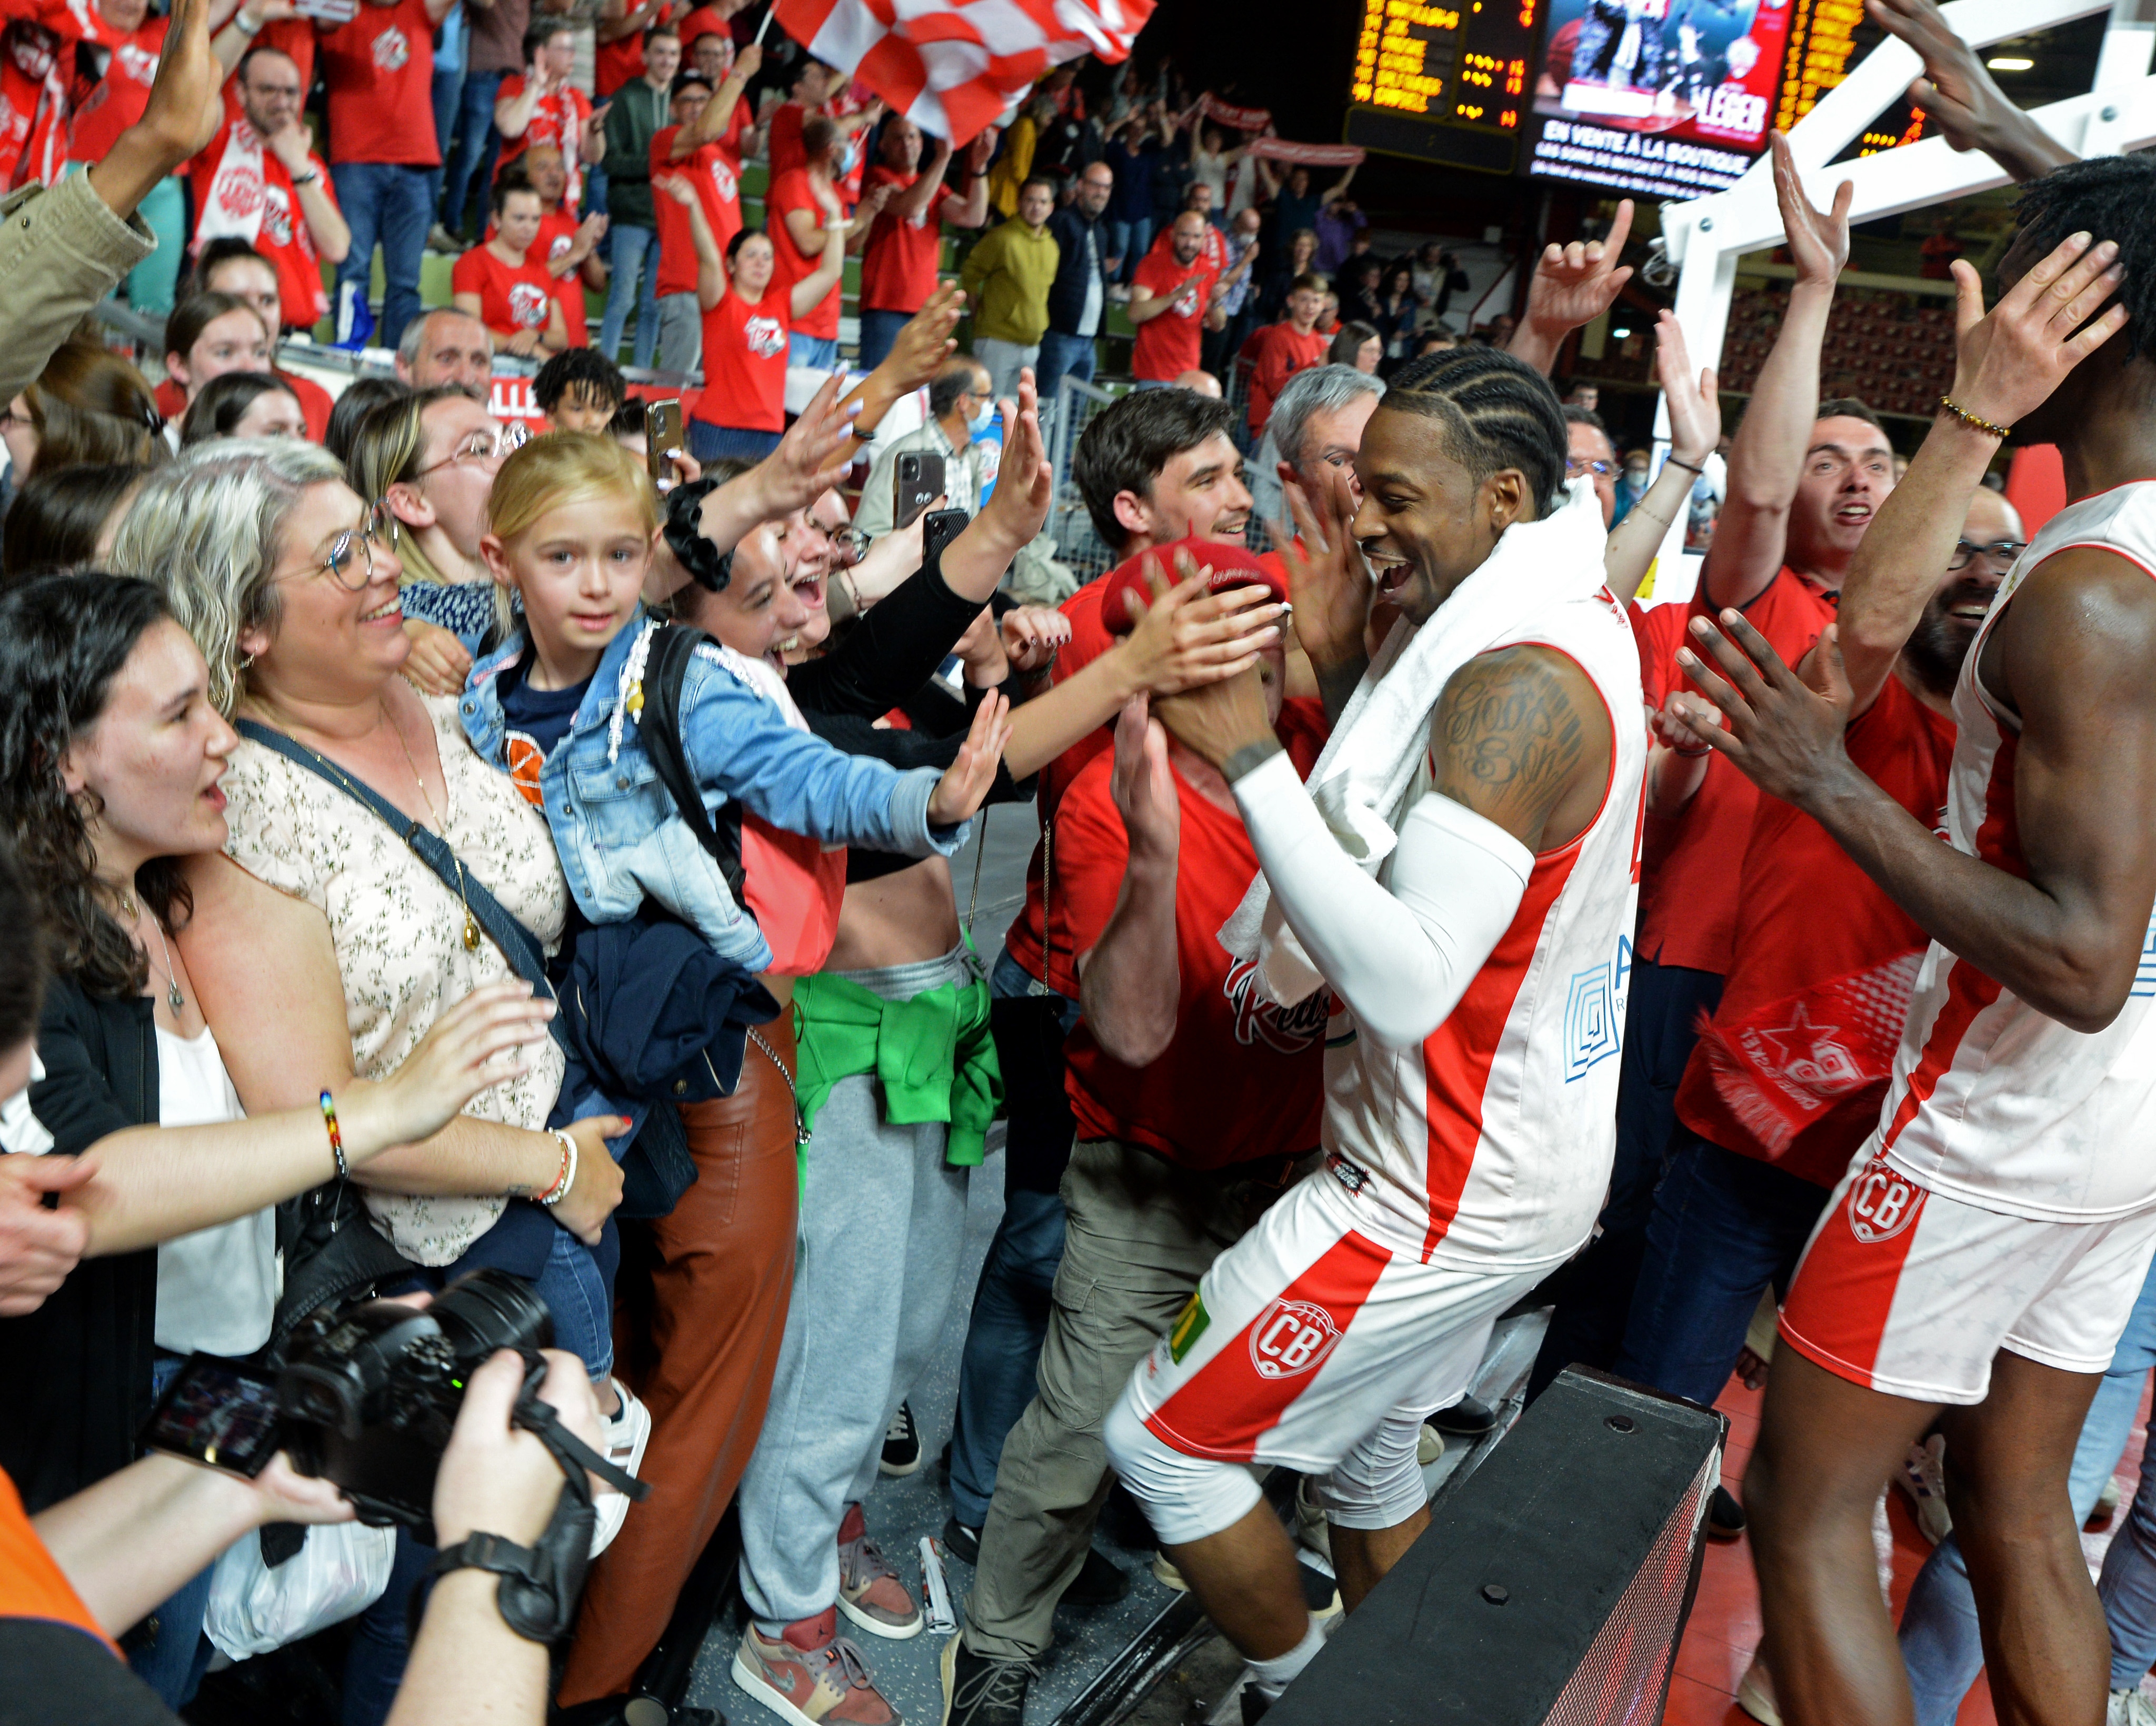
pixel 321 946
pixel 431 457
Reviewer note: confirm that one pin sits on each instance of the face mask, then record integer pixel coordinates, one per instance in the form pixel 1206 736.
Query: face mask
pixel 1634 483
pixel 981 419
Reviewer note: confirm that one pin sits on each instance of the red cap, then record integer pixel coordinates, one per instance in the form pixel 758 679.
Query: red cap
pixel 1230 563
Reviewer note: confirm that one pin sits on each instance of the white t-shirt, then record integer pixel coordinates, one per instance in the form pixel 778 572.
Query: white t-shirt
pixel 217 1288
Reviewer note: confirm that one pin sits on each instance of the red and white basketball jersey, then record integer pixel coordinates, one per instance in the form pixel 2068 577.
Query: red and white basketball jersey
pixel 1991 1101
pixel 1490 1141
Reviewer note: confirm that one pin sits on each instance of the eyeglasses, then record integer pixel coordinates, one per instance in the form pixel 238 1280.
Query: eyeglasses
pixel 352 552
pixel 482 446
pixel 1573 467
pixel 2001 553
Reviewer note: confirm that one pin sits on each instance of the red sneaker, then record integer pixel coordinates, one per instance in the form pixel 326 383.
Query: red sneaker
pixel 811 1675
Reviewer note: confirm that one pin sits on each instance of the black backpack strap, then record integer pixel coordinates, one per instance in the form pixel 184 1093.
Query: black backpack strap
pixel 660 725
pixel 518 944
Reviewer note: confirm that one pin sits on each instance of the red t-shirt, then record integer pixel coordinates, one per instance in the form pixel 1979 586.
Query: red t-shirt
pixel 1691 864
pixel 380 71
pixel 511 299
pixel 898 260
pixel 1168 344
pixel 783 141
pixel 1263 1066
pixel 314 402
pixel 240 188
pixel 745 363
pixel 1658 631
pixel 1792 1068
pixel 559 121
pixel 714 171
pixel 558 234
pixel 293 38
pixel 613 63
pixel 704 21
pixel 118 99
pixel 1277 353
pixel 792 192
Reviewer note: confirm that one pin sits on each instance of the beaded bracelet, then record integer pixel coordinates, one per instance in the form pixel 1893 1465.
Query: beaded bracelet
pixel 567 1179
pixel 1972 420
pixel 336 1139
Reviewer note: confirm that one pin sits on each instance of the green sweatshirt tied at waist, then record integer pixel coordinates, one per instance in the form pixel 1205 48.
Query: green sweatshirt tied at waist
pixel 932 1055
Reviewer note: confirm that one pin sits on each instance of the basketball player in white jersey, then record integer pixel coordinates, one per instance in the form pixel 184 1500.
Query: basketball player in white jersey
pixel 1478 975
pixel 1981 1257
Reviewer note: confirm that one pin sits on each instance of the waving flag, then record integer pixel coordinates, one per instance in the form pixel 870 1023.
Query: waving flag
pixel 954 67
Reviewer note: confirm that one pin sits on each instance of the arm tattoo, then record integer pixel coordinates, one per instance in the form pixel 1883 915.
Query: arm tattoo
pixel 1508 739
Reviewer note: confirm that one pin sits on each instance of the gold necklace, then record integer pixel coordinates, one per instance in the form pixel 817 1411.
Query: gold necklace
pixel 441 825
pixel 173 998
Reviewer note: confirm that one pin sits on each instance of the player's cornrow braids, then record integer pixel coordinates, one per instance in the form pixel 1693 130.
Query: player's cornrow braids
pixel 1498 412
pixel 2112 198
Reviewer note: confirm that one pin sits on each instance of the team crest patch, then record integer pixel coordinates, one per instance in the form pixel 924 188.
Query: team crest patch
pixel 1290 1338
pixel 1882 1202
pixel 1190 1325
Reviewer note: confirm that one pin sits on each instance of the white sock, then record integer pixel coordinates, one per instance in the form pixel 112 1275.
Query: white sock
pixel 1269 1677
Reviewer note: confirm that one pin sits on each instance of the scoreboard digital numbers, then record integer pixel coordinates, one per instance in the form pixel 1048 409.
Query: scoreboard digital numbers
pixel 1445 83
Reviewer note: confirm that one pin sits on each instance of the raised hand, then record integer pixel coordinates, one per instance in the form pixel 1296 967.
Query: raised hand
pixel 1695 405
pixel 1326 582
pixel 1142 785
pixel 1819 243
pixel 748 62
pixel 1032 635
pixel 1782 735
pixel 1972 111
pixel 967 782
pixel 924 343
pixel 185 108
pixel 1572 286
pixel 811 458
pixel 2010 361
pixel 1191 636
pixel 1026 477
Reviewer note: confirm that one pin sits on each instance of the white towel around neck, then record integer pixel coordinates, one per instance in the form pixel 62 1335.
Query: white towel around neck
pixel 1364 775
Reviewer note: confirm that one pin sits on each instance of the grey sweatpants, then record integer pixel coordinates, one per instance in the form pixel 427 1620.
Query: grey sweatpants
pixel 883 1216
pixel 1141 1232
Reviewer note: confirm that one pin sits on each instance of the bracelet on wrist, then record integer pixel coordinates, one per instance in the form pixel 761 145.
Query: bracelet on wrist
pixel 1250 758
pixel 239 23
pixel 336 1138
pixel 1676 461
pixel 1975 423
pixel 1692 753
pixel 567 1178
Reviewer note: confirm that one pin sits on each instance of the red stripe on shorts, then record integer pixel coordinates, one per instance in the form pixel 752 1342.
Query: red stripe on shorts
pixel 1836 1312
pixel 1231 1402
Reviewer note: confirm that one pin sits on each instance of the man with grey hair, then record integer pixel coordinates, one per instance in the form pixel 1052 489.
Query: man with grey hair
pixel 1316 427
pixel 959 405
pixel 447 348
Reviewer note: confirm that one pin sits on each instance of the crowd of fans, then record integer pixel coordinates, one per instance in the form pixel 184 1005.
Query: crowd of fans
pixel 441 846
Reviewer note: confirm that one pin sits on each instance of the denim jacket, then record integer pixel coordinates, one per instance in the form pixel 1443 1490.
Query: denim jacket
pixel 616 829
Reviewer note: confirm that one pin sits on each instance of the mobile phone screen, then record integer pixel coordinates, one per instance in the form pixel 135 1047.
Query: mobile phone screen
pixel 220 1413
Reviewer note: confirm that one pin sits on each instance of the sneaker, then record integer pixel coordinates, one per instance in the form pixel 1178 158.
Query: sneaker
pixel 810 1675
pixel 1470 1417
pixel 2129 1707
pixel 1755 1694
pixel 961 1542
pixel 1725 1516
pixel 869 1592
pixel 1165 1574
pixel 622 1441
pixel 1429 1445
pixel 1310 1527
pixel 440 239
pixel 2106 1507
pixel 981 1691
pixel 1923 1476
pixel 1101 1583
pixel 901 1443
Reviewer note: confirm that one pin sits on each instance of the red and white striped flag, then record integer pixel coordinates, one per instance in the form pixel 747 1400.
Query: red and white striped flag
pixel 954 66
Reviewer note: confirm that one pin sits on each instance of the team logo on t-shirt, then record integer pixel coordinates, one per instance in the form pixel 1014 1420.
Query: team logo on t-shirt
pixel 392 50
pixel 1290 1338
pixel 1882 1202
pixel 1285 1029
pixel 239 195
pixel 722 177
pixel 276 218
pixel 527 305
pixel 138 64
pixel 765 336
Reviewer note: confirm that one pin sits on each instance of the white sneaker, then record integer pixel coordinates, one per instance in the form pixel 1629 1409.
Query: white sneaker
pixel 1429 1445
pixel 2129 1707
pixel 1922 1477
pixel 622 1440
pixel 1755 1694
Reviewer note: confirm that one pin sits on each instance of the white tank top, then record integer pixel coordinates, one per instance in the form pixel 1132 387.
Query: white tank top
pixel 1492 1140
pixel 1991 1102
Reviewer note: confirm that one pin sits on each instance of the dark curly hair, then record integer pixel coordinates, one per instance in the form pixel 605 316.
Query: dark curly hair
pixel 22 962
pixel 2112 198
pixel 1497 411
pixel 62 640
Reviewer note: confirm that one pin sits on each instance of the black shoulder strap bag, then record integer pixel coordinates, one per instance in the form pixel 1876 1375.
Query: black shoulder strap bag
pixel 659 725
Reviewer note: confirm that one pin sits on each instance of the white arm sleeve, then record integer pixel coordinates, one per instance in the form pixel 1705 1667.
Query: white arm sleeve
pixel 1400 959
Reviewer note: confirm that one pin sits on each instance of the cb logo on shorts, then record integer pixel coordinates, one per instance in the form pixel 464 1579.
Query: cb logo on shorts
pixel 1292 1337
pixel 1883 1203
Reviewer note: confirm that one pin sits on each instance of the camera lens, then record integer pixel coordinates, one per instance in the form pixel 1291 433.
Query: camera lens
pixel 490 1309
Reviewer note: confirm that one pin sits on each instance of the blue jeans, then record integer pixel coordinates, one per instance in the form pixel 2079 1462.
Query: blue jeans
pixel 819 353
pixel 580 1298
pixel 374 1666
pixel 1724 1226
pixel 1940 1641
pixel 630 250
pixel 1011 1302
pixel 595 191
pixel 708 443
pixel 472 161
pixel 879 329
pixel 1587 1325
pixel 391 202
pixel 1062 357
pixel 1128 240
pixel 448 88
pixel 176 1657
